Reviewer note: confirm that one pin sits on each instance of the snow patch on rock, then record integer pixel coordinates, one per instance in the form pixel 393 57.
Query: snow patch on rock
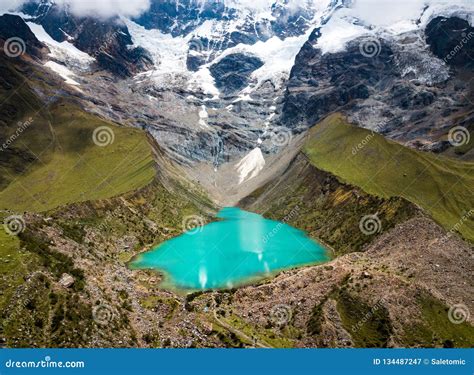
pixel 203 116
pixel 251 165
pixel 64 52
pixel 386 19
pixel 336 33
pixel 63 71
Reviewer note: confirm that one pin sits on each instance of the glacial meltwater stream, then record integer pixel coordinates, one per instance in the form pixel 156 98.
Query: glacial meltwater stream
pixel 240 248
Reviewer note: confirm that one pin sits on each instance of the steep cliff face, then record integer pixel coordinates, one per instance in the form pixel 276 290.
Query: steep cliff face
pixel 450 39
pixel 108 41
pixel 406 87
pixel 17 37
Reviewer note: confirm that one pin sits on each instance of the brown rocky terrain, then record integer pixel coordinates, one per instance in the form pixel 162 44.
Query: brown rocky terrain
pixel 397 274
pixel 400 289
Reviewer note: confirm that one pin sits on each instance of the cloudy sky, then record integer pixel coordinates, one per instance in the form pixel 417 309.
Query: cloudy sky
pixel 101 8
pixel 374 11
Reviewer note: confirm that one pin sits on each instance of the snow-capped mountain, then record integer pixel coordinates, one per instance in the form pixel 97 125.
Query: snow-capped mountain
pixel 211 72
pixel 217 81
pixel 403 76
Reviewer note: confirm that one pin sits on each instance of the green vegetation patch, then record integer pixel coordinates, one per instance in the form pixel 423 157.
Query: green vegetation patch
pixel 369 326
pixel 268 336
pixel 435 329
pixel 72 168
pixel 441 186
pixel 14 265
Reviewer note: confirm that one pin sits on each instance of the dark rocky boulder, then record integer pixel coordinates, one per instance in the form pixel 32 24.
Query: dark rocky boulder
pixel 14 27
pixel 452 40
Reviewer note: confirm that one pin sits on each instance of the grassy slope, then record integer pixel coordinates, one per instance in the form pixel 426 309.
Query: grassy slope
pixel 17 103
pixel 113 192
pixel 431 328
pixel 73 169
pixel 13 266
pixel 434 329
pixel 441 186
pixel 54 161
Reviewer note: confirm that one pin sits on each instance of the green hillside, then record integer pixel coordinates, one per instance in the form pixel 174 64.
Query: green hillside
pixel 48 157
pixel 441 186
pixel 72 168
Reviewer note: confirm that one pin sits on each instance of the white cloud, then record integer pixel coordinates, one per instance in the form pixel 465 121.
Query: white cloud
pixel 387 12
pixel 390 12
pixel 10 5
pixel 107 8
pixel 98 8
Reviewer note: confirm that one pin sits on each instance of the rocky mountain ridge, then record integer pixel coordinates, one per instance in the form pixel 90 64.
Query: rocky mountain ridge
pixel 226 67
pixel 65 279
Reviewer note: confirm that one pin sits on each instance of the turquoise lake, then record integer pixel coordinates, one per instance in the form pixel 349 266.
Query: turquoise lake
pixel 242 247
